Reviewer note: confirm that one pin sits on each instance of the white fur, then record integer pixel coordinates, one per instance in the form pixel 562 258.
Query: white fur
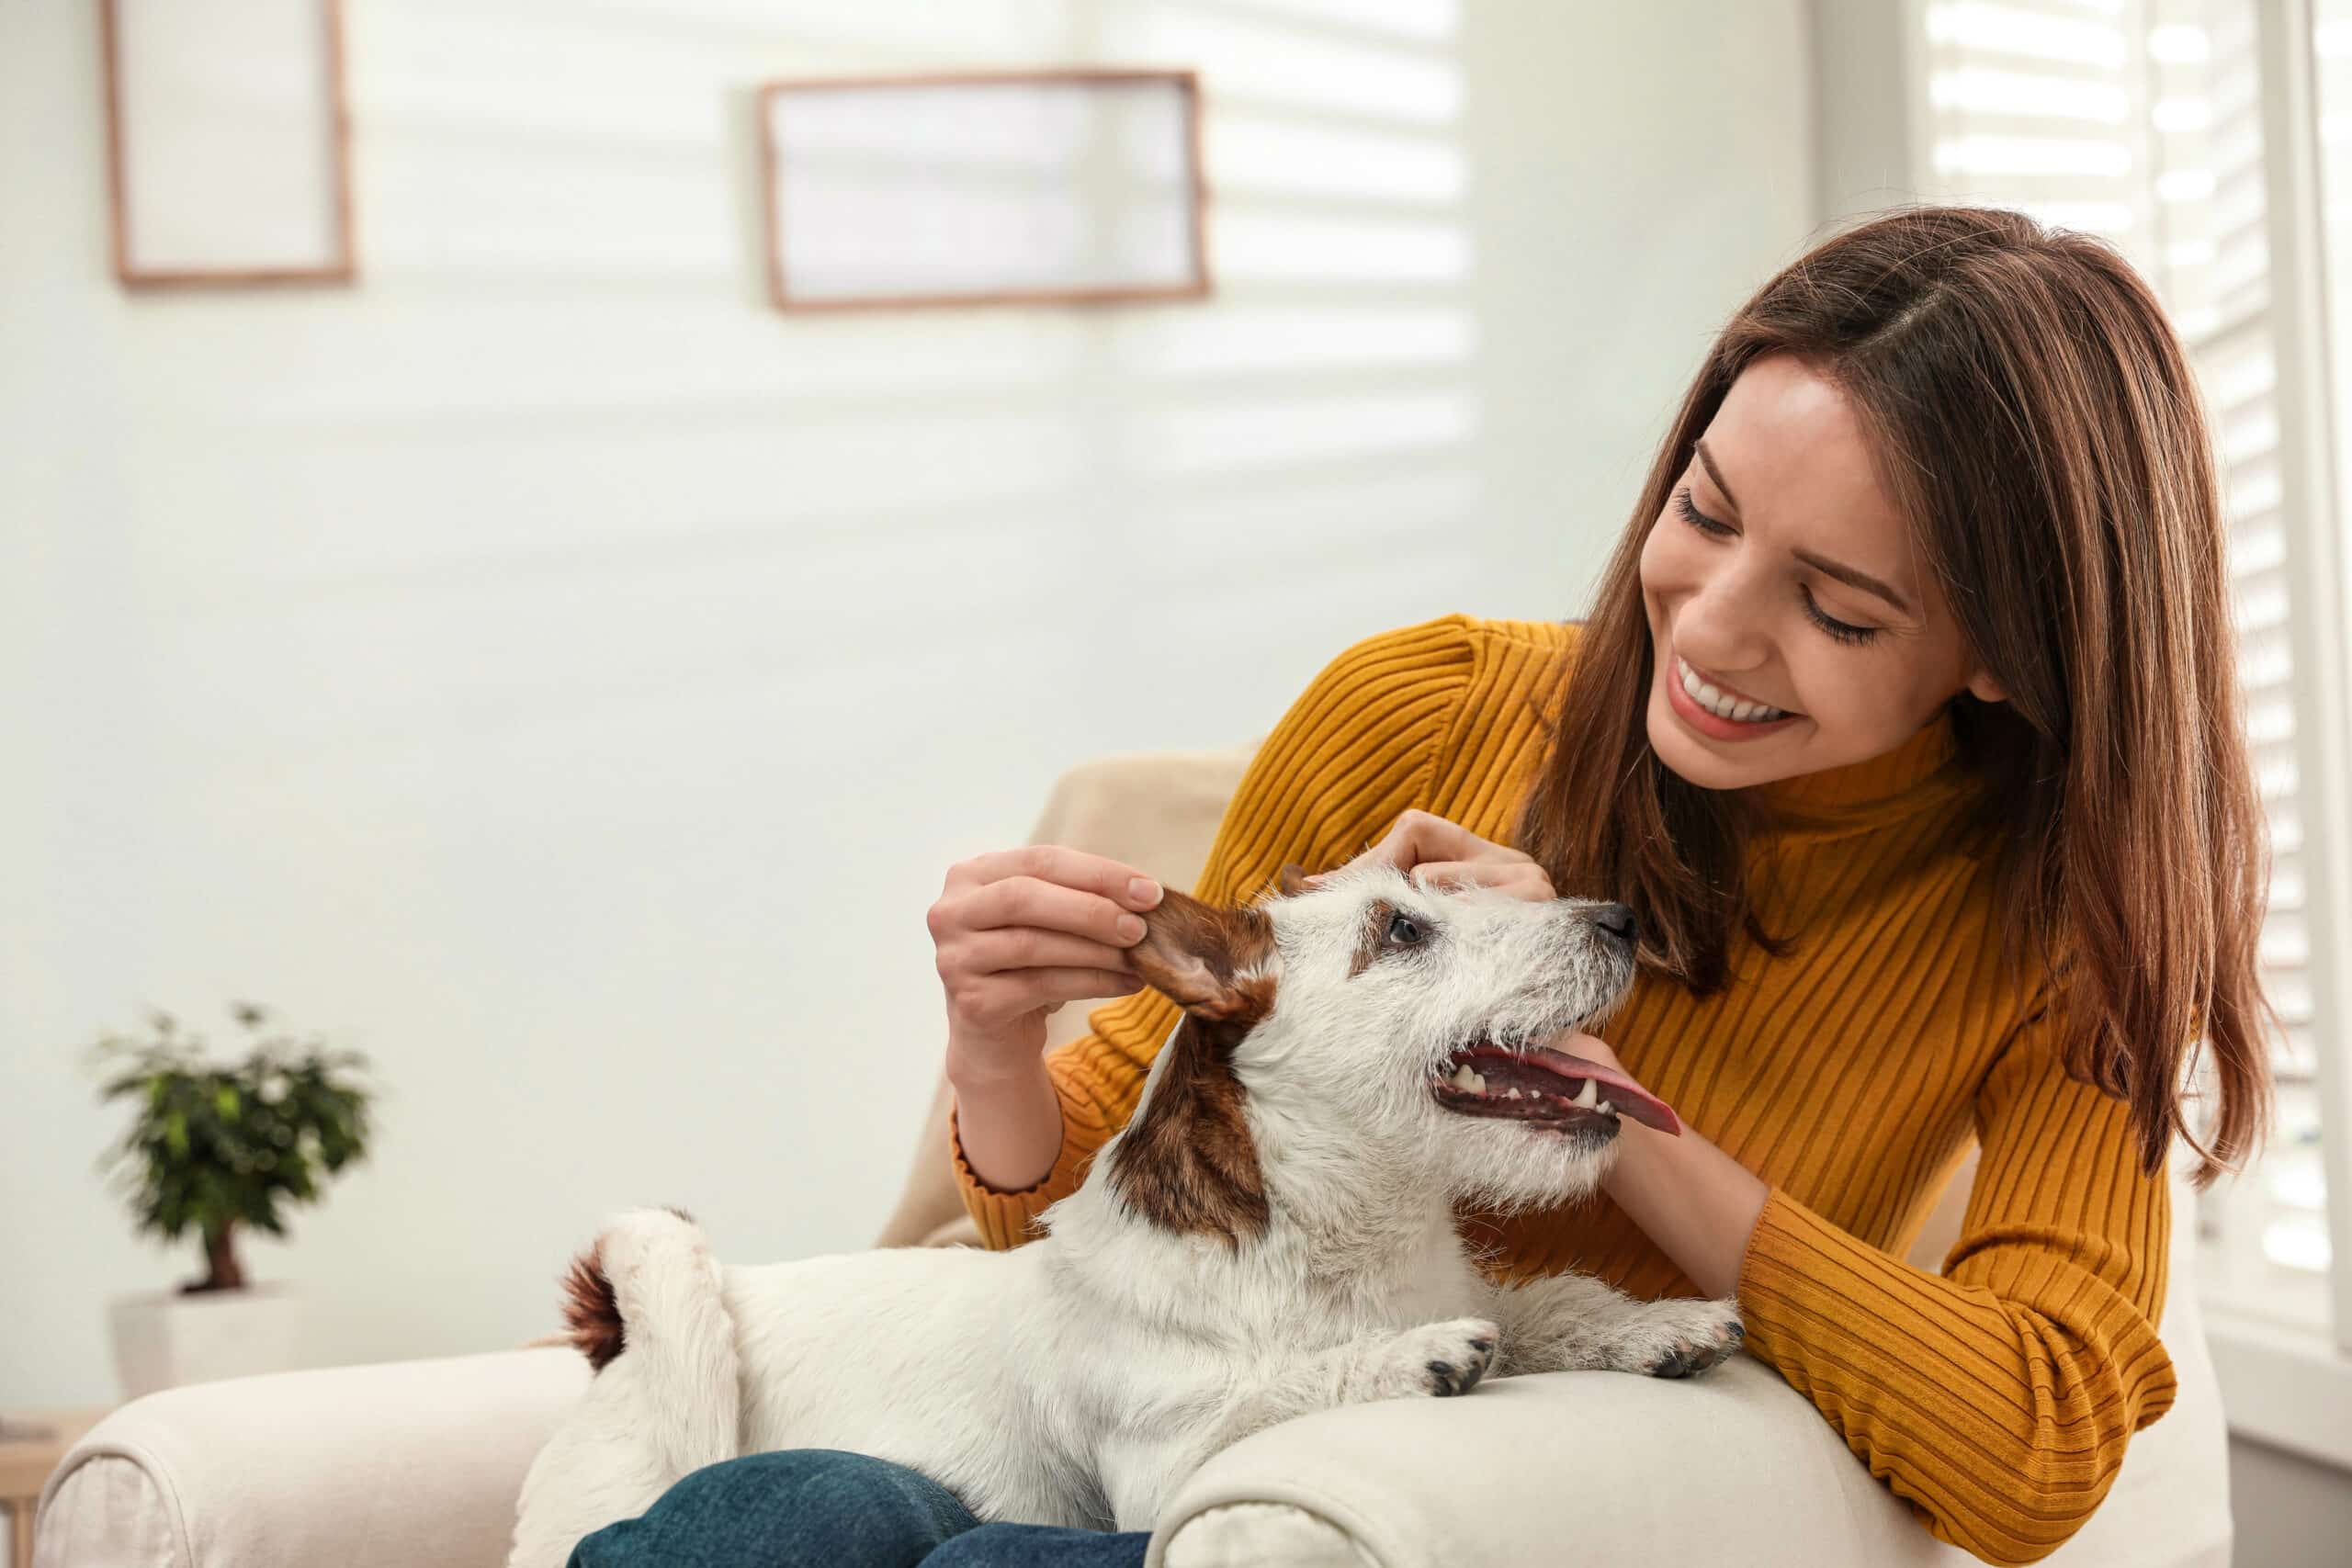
pixel 1076 1380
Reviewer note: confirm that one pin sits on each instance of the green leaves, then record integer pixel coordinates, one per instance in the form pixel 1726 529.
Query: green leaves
pixel 212 1147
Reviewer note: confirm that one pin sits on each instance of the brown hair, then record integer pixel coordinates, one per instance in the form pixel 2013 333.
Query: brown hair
pixel 2031 415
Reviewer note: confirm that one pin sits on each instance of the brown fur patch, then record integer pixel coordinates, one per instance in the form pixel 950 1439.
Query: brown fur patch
pixel 1375 932
pixel 1187 1162
pixel 592 1317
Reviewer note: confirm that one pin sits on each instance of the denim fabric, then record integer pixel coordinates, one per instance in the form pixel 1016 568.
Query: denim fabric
pixel 825 1508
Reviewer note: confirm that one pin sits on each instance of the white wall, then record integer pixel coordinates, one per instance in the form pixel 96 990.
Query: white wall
pixel 549 670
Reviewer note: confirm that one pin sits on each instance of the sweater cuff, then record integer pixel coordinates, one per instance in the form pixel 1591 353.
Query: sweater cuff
pixel 1782 1294
pixel 1006 1219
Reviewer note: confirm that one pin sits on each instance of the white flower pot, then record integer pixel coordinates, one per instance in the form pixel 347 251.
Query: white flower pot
pixel 164 1339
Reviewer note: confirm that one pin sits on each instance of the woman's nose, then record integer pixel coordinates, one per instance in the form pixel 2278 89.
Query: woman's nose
pixel 1721 625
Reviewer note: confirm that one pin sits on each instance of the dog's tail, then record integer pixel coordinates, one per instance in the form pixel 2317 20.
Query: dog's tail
pixel 644 1304
pixel 647 1305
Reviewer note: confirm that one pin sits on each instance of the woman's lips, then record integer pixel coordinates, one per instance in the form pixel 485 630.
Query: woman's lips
pixel 1713 725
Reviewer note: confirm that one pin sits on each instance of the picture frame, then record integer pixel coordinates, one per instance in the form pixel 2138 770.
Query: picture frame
pixel 1054 187
pixel 228 142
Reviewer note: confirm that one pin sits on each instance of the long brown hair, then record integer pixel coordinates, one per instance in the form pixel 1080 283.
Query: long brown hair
pixel 2033 416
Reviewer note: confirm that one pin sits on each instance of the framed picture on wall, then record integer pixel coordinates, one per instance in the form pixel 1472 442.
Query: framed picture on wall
pixel 979 188
pixel 227 141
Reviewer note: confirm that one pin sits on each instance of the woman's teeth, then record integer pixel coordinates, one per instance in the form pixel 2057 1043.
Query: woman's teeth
pixel 1736 709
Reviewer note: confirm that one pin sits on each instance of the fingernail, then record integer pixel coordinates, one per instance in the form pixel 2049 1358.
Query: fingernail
pixel 1144 891
pixel 1130 928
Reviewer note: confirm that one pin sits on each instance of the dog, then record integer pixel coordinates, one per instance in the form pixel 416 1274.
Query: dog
pixel 1272 1234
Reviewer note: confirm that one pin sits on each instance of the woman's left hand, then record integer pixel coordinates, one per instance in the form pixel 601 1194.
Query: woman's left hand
pixel 1430 850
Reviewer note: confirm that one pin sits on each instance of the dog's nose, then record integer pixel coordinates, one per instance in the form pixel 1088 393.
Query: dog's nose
pixel 1620 923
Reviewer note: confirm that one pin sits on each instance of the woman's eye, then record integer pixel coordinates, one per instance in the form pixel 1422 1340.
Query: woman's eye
pixel 1405 931
pixel 1698 519
pixel 1843 631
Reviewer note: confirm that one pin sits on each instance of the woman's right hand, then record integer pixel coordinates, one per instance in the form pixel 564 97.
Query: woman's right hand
pixel 1021 931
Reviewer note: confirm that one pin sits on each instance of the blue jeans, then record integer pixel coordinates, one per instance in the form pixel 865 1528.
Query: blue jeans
pixel 824 1508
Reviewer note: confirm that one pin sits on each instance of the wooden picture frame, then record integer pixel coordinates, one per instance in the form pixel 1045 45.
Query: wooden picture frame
pixel 1119 155
pixel 268 149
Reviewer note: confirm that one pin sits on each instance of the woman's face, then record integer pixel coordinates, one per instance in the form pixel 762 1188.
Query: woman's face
pixel 1792 626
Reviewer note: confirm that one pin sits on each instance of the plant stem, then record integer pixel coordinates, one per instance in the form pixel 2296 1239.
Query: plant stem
pixel 223 1271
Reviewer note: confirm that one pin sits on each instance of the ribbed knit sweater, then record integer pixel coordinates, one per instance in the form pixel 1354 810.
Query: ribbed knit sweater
pixel 1851 1074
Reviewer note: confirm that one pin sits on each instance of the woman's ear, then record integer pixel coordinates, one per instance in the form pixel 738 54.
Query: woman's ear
pixel 1985 689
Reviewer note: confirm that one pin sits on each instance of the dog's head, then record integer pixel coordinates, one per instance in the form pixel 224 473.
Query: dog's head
pixel 1371 1020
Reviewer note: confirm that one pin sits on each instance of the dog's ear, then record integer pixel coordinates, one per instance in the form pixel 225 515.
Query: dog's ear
pixel 1209 961
pixel 1293 879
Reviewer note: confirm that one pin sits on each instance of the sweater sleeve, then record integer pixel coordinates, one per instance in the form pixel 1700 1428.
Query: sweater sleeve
pixel 1355 749
pixel 1996 1397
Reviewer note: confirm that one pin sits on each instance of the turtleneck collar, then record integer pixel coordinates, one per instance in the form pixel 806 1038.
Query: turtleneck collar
pixel 1857 787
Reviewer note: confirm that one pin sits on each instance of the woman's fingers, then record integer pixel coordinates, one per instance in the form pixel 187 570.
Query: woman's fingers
pixel 1523 879
pixel 1058 985
pixel 1420 838
pixel 1415 836
pixel 1027 901
pixel 999 1001
pixel 1114 880
pixel 1030 947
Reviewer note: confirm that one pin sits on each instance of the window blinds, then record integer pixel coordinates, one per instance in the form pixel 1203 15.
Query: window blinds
pixel 2140 121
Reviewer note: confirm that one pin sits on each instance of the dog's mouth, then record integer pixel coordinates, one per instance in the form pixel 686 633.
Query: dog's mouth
pixel 1535 1083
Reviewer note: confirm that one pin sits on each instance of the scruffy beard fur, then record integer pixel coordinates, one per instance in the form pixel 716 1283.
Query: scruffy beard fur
pixel 1273 1233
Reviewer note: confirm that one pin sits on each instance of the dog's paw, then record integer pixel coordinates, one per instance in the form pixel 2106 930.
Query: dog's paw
pixel 1435 1361
pixel 1688 1338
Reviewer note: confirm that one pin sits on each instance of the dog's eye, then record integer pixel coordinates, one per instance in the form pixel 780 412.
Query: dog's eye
pixel 1406 931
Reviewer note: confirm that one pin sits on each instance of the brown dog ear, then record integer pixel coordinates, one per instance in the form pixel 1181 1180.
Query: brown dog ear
pixel 1199 956
pixel 1292 878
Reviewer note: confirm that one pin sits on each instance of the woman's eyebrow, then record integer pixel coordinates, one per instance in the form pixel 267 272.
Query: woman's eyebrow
pixel 1822 564
pixel 1848 575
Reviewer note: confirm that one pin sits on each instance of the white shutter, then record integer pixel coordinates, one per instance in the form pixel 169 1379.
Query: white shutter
pixel 2140 120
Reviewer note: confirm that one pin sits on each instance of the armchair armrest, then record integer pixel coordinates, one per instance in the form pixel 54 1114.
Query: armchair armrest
pixel 1585 1467
pixel 1604 1468
pixel 387 1466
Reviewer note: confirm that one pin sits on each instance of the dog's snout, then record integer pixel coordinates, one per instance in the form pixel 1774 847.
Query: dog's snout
pixel 1620 923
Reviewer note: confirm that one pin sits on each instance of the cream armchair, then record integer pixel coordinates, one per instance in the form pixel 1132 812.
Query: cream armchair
pixel 416 1463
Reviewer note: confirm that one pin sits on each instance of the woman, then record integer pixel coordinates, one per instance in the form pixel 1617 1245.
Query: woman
pixel 1906 717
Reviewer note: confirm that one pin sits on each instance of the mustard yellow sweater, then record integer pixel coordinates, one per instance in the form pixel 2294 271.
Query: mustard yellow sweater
pixel 1851 1074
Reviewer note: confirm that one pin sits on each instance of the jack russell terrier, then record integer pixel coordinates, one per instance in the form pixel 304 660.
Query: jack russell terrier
pixel 1273 1233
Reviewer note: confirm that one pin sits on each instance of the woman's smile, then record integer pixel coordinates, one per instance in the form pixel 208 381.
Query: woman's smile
pixel 1715 710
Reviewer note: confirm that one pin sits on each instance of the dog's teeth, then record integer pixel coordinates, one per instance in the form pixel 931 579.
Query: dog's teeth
pixel 1606 1108
pixel 1510 1094
pixel 1463 1077
pixel 1588 1095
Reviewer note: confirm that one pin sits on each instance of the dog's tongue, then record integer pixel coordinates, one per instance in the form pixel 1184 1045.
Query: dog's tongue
pixel 1627 1097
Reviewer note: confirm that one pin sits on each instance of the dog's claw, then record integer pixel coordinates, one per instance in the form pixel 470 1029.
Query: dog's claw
pixel 1435 1361
pixel 1689 1357
pixel 1447 1380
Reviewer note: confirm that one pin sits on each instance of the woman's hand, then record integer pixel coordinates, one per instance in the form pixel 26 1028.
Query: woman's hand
pixel 1431 849
pixel 1591 1047
pixel 1018 932
pixel 1697 1202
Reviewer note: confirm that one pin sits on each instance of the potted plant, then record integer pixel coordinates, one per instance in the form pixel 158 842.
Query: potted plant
pixel 214 1151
